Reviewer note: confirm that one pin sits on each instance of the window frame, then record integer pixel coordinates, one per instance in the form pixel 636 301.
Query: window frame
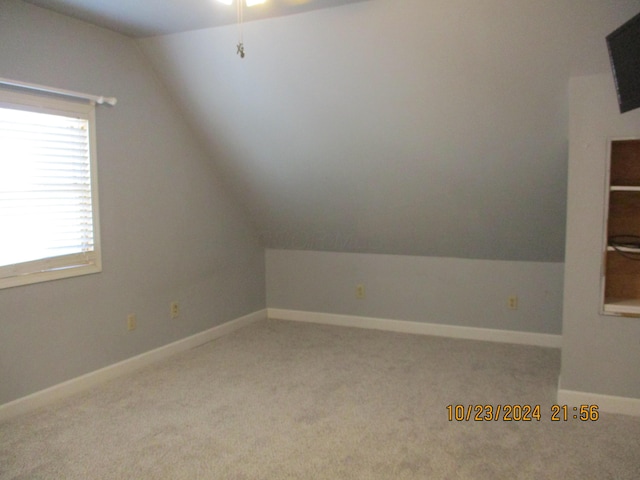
pixel 62 266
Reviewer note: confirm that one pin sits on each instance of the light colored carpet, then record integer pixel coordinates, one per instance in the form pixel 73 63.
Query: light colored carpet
pixel 283 400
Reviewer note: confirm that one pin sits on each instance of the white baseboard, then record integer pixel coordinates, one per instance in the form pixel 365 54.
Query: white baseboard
pixel 79 384
pixel 419 328
pixel 605 403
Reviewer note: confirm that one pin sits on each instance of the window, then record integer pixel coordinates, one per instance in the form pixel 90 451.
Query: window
pixel 48 190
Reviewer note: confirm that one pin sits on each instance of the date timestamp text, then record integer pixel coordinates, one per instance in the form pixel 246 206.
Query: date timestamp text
pixel 521 413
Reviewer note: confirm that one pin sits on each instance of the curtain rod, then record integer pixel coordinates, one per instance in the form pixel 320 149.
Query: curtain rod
pixel 59 91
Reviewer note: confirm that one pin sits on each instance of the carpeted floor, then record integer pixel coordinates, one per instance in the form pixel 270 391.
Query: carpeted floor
pixel 283 400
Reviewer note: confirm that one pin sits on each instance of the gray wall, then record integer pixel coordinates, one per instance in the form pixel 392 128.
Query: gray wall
pixel 170 231
pixel 448 291
pixel 431 128
pixel 600 353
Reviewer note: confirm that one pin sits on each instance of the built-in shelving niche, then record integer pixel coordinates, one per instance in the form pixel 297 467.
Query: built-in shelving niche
pixel 621 257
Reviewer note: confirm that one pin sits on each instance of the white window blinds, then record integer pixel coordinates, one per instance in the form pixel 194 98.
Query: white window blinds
pixel 47 193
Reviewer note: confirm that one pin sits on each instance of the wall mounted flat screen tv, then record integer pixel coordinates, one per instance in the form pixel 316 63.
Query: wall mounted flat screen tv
pixel 624 53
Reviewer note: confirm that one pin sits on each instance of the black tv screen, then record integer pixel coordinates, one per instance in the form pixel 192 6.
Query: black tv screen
pixel 624 52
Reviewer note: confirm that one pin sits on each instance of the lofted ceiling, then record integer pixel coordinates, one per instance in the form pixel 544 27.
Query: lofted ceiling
pixel 145 18
pixel 433 128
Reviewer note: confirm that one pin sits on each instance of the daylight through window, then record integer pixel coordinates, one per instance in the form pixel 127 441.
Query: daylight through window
pixel 48 198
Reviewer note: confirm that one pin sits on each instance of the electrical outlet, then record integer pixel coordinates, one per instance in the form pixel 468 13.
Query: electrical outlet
pixel 131 322
pixel 513 302
pixel 174 309
pixel 360 294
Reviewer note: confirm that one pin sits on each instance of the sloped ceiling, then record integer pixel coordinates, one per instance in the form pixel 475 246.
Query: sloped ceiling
pixel 424 128
pixel 435 128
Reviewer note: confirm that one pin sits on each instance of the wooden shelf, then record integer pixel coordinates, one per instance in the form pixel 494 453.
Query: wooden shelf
pixel 619 306
pixel 624 249
pixel 621 286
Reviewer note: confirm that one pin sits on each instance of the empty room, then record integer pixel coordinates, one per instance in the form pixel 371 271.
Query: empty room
pixel 333 239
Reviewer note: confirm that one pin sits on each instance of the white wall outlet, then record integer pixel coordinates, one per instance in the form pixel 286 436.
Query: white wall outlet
pixel 360 293
pixel 174 309
pixel 513 302
pixel 131 322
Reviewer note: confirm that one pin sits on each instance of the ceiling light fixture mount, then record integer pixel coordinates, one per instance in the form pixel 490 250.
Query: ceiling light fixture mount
pixel 250 3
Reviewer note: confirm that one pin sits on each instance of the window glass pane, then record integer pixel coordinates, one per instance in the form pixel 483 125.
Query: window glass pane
pixel 45 186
